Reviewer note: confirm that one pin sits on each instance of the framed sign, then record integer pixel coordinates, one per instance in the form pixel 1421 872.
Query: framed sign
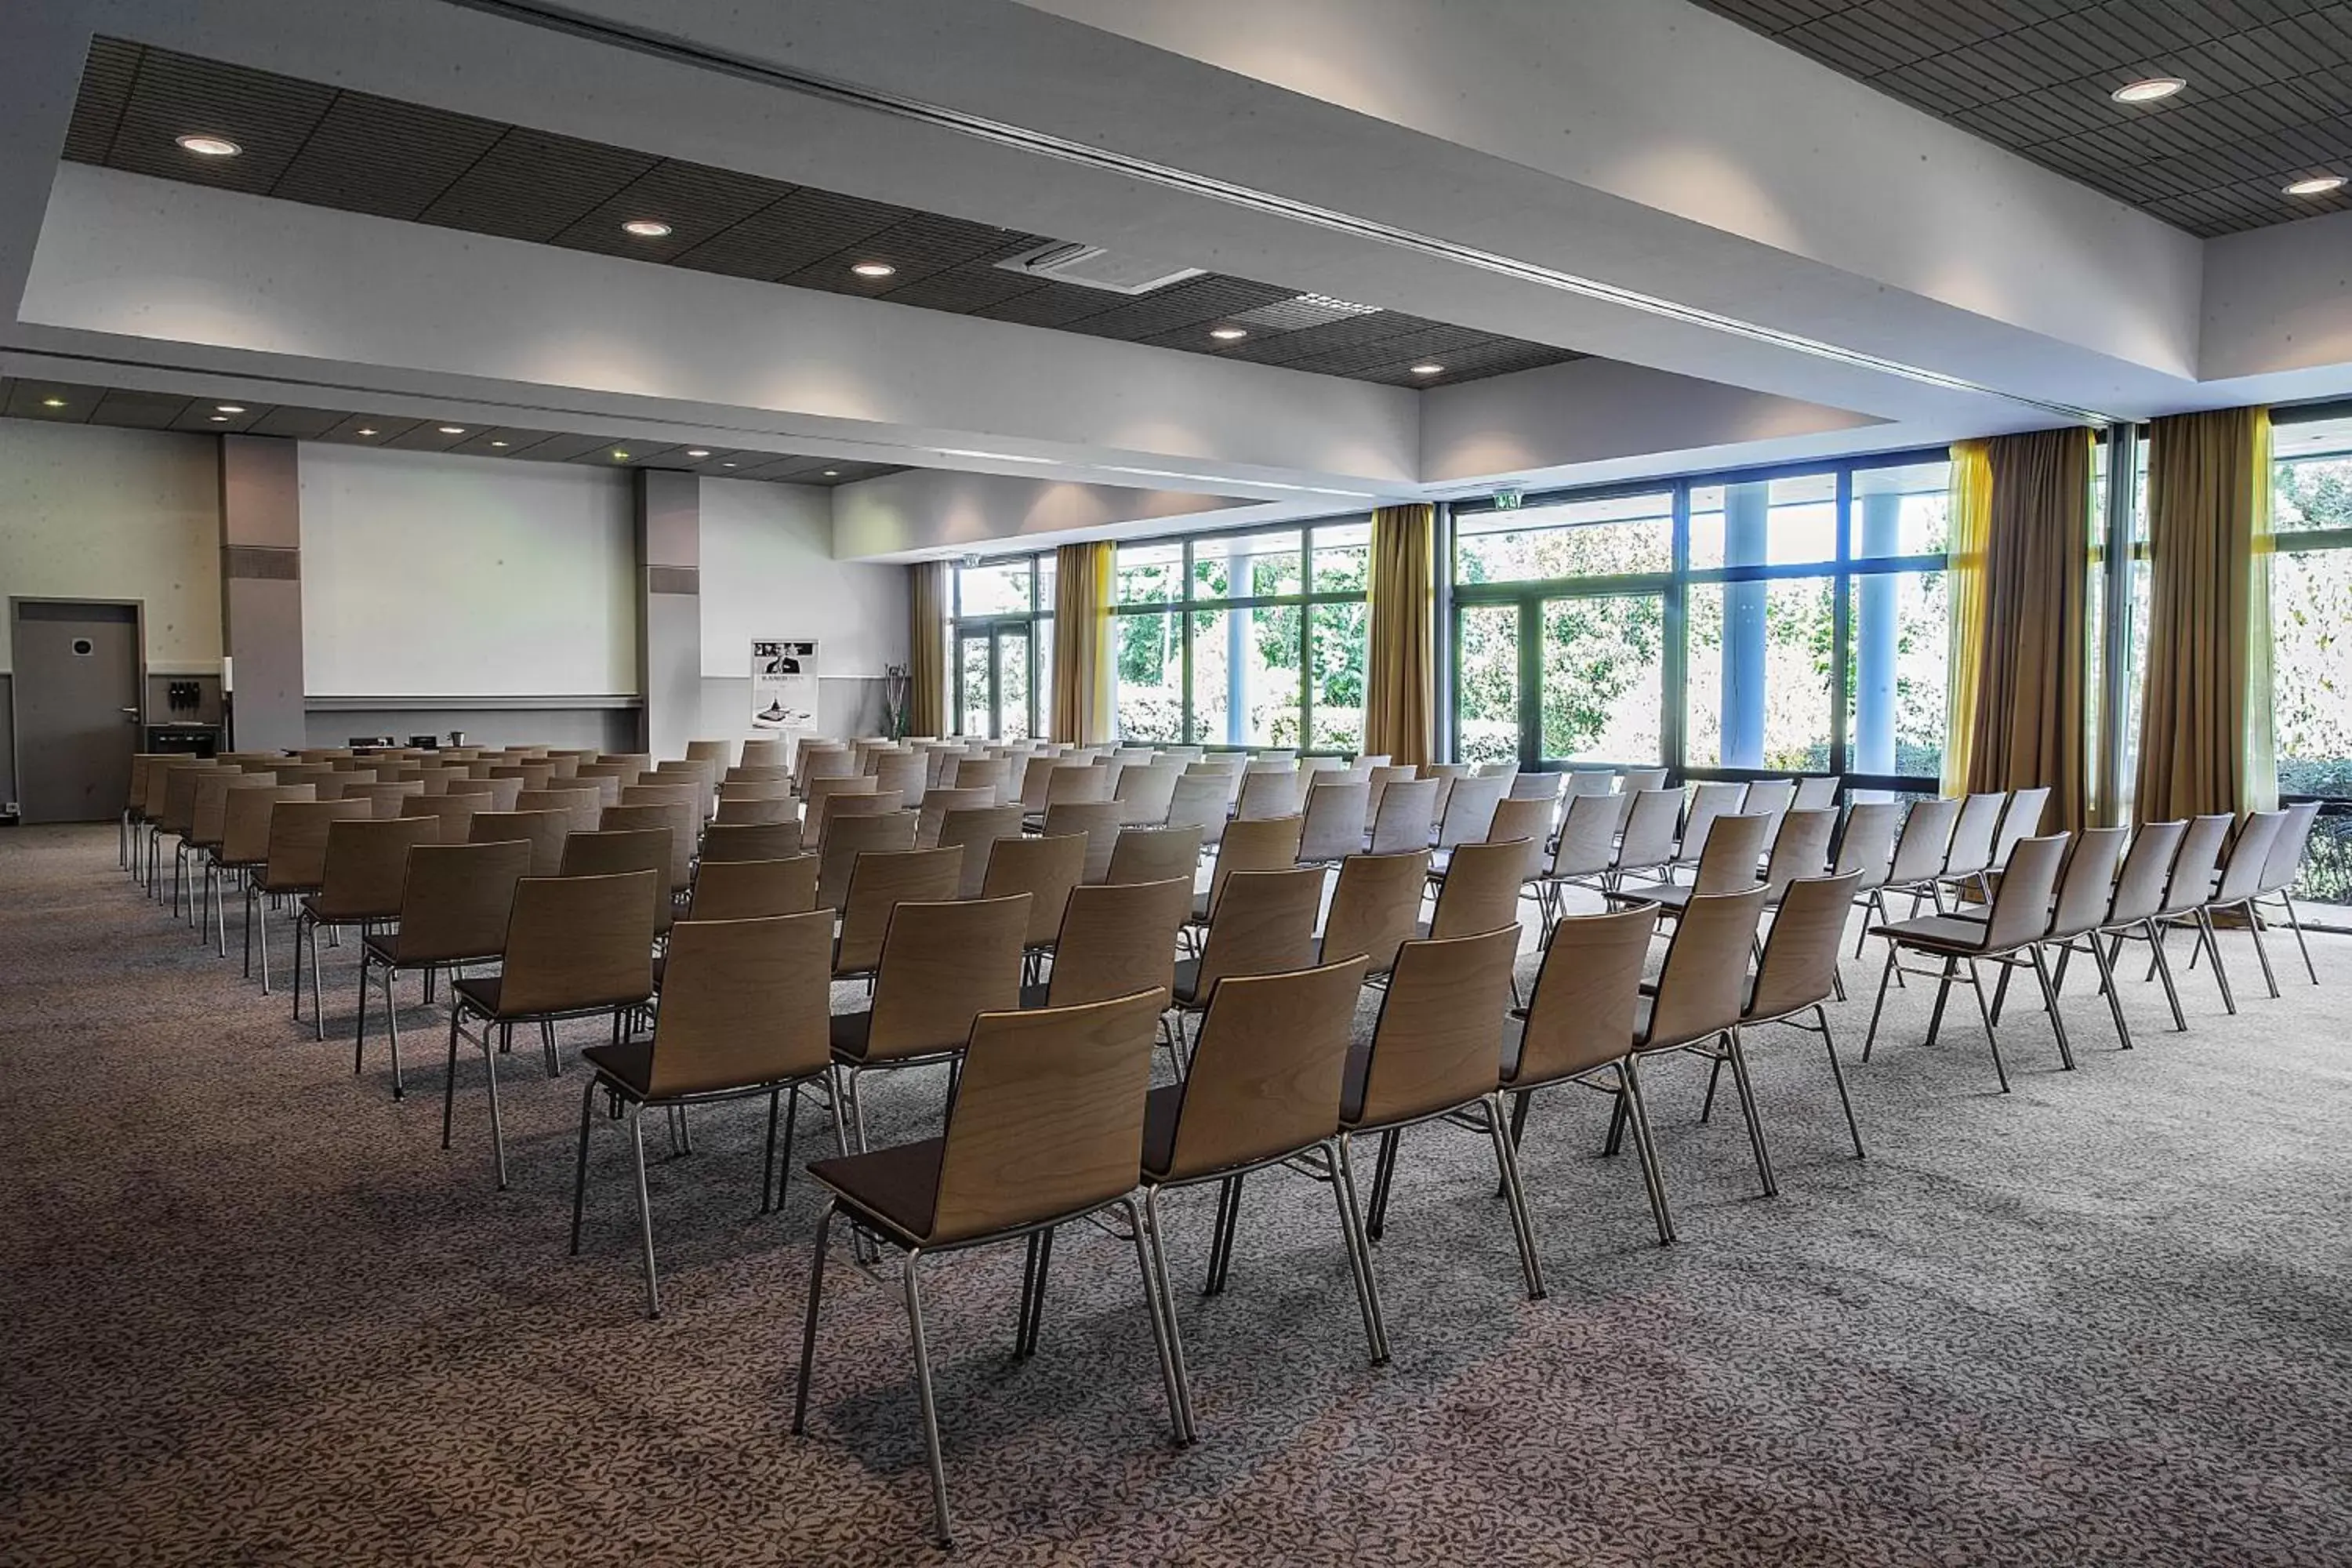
pixel 783 689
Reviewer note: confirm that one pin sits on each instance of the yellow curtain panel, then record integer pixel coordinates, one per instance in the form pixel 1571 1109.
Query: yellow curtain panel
pixel 2205 711
pixel 1964 575
pixel 1083 671
pixel 927 663
pixel 1400 666
pixel 2029 728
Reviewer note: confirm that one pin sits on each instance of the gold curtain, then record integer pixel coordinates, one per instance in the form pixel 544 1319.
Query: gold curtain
pixel 927 664
pixel 2205 711
pixel 1083 653
pixel 1401 665
pixel 2028 727
pixel 1964 576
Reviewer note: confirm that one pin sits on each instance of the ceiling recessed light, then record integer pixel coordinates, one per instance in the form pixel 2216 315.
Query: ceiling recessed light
pixel 833 473
pixel 1429 369
pixel 698 451
pixel 218 418
pixel 453 429
pixel 2147 90
pixel 210 146
pixel 2318 186
pixel 646 228
pixel 620 457
pixel 1228 334
pixel 873 269
pixel 726 465
pixel 363 432
pixel 498 443
pixel 53 402
pixel 229 407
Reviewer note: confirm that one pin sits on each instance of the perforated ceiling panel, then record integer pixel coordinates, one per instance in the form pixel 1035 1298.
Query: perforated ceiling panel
pixel 306 142
pixel 2268 100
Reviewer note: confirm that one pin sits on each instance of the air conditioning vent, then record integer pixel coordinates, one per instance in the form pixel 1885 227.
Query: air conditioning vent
pixel 1095 267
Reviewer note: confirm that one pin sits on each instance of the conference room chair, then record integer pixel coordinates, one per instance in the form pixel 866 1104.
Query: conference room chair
pixel 1263 1089
pixel 207 826
pixel 1098 820
pixel 1866 846
pixel 544 831
pixel 1380 777
pixel 575 947
pixel 294 864
pixel 455 898
pixel 852 837
pixel 941 799
pixel 2186 886
pixel 127 826
pixel 1523 819
pixel 750 841
pixel 360 882
pixel 1401 818
pixel 2021 818
pixel 2138 895
pixel 1375 909
pixel 717 756
pixel 1145 794
pixel 840 805
pixel 1036 778
pixel 534 776
pixel 1970 856
pixel 1155 855
pixel 1647 843
pixel 1469 810
pixel 245 812
pixel 750 812
pixel 880 880
pixel 1579 1025
pixel 178 818
pixel 1262 922
pixel 1709 801
pixel 582 807
pixel 1265 843
pixel 777 788
pixel 1636 780
pixel 502 793
pixel 820 793
pixel 753 890
pixel 1272 792
pixel 1331 828
pixel 1584 852
pixel 1066 1086
pixel 610 851
pixel 1727 865
pixel 1796 979
pixel 1921 852
pixel 991 773
pixel 1435 1053
pixel 767 755
pixel 2087 885
pixel 1114 940
pixel 1771 799
pixel 675 816
pixel 622 774
pixel 1545 787
pixel 1481 890
pixel 1045 869
pixel 2009 934
pixel 979 829
pixel 906 772
pixel 386 799
pixel 2236 890
pixel 823 759
pixel 454 812
pixel 744 1014
pixel 1818 792
pixel 2282 870
pixel 1591 781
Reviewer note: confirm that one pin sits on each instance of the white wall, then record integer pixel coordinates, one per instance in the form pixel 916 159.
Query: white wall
pixel 91 512
pixel 425 576
pixel 768 571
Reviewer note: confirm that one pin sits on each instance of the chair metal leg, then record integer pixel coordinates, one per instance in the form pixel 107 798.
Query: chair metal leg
pixel 2295 924
pixel 1714 1075
pixel 1871 1037
pixel 1747 1088
pixel 1180 1384
pixel 1634 1109
pixel 1837 1076
pixel 1364 1245
pixel 2262 951
pixel 260 910
pixel 808 1328
pixel 1221 1247
pixel 1992 1036
pixel 1034 1274
pixel 910 1275
pixel 2162 965
pixel 1383 1172
pixel 644 1210
pixel 1359 1263
pixel 359 1026
pixel 547 1046
pixel 2115 997
pixel 580 1166
pixel 317 1006
pixel 1943 994
pixel 2213 947
pixel 2001 992
pixel 449 1079
pixel 498 1126
pixel 1506 1160
pixel 1163 1328
pixel 2050 1001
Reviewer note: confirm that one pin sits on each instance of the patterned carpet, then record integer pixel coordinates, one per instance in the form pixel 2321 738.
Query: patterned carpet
pixel 255 1315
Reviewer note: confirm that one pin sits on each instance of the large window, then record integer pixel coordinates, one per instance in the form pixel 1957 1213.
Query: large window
pixel 1780 622
pixel 1252 638
pixel 2311 628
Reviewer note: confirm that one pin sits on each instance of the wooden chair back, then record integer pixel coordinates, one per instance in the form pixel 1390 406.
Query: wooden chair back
pixel 1526 818
pixel 743 1002
pixel 1155 855
pixel 1868 845
pixel 1926 835
pixel 848 796
pixel 386 801
pixel 1799 966
pixel 1332 828
pixel 749 812
pixel 990 773
pixel 1264 922
pixel 1438 1043
pixel 1043 868
pixel 1588 834
pixel 544 831
pixel 1199 800
pixel 1771 800
pixel 533 774
pixel 939 965
pixel 768 755
pixel 601 853
pixel 1799 846
pixel 1470 809
pixel 979 829
pixel 1146 793
pixel 1401 820
pixel 676 817
pixel 1705 980
pixel 502 793
pixel 298 842
pixel 1098 820
pixel 2088 884
pixel 578 943
pixel 1639 779
pixel 852 836
pixel 2285 862
pixel 879 882
pixel 1375 908
pixel 1266 1071
pixel 454 812
pixel 367 865
pixel 905 771
pixel 754 890
pixel 180 795
pixel 455 900
pixel 1734 849
pixel 1270 792
pixel 940 800
pixel 1118 939
pixel 1973 833
pixel 1818 792
pixel 1048 1117
pixel 208 814
pixel 1709 801
pixel 1260 844
pixel 1481 890
pixel 2023 817
pixel 1587 994
pixel 1650 825
pixel 750 841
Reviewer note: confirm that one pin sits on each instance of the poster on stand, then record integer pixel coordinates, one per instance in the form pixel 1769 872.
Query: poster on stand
pixel 784 691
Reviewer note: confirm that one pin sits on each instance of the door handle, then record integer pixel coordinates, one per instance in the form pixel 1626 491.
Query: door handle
pixel 131 715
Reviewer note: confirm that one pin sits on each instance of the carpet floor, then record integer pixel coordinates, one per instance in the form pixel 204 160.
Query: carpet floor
pixel 254 1313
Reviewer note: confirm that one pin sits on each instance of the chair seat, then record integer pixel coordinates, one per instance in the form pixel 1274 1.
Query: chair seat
pixel 480 990
pixel 1035 994
pixel 897 1186
pixel 325 915
pixel 1667 895
pixel 630 1065
pixel 1939 933
pixel 850 1032
pixel 1160 1110
pixel 1188 980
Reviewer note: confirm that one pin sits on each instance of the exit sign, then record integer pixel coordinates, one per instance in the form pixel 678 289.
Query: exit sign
pixel 1509 499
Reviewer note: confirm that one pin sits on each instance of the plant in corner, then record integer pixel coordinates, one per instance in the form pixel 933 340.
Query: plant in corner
pixel 895 689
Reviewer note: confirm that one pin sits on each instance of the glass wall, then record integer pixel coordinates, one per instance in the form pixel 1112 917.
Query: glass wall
pixel 1247 638
pixel 2311 627
pixel 1781 621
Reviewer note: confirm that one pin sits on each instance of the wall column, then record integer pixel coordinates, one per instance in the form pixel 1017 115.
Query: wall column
pixel 1874 638
pixel 669 609
pixel 1746 511
pixel 261 593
